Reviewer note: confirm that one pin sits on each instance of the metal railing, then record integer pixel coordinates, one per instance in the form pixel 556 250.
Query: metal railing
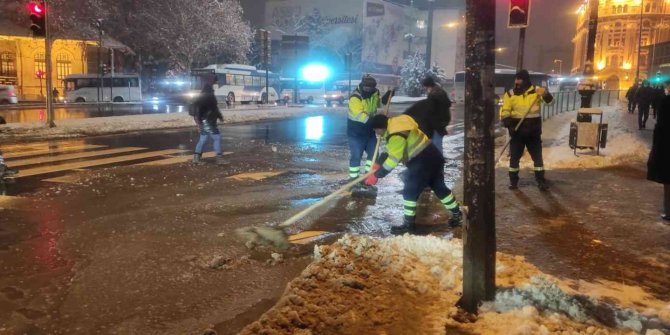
pixel 567 101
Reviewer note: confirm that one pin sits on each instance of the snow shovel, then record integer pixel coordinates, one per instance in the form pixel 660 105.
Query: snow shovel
pixel 516 129
pixel 276 236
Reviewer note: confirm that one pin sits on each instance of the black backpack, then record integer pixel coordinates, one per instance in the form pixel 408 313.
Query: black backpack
pixel 193 108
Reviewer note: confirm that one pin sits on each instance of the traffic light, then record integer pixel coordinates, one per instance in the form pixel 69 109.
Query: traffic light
pixel 38 24
pixel 105 69
pixel 519 13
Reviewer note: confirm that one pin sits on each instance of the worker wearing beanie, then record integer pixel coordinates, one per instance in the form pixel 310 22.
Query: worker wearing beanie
pixel 363 105
pixel 407 144
pixel 525 99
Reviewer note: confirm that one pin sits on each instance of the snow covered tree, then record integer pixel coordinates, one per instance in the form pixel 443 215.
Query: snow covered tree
pixel 411 75
pixel 437 73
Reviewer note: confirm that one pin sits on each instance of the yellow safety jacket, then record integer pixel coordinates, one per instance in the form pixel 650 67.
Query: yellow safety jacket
pixel 404 141
pixel 516 106
pixel 361 110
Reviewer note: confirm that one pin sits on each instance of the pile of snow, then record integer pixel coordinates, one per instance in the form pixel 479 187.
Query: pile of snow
pixel 624 143
pixel 411 284
pixel 120 124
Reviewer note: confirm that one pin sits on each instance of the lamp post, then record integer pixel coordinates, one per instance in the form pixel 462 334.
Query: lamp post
pixel 639 42
pixel 429 42
pixel 587 87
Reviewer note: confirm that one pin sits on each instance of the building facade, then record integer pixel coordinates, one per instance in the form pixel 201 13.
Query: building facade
pixel 617 51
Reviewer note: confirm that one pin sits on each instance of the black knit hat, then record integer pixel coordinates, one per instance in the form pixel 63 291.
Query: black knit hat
pixel 368 83
pixel 428 82
pixel 379 121
pixel 523 75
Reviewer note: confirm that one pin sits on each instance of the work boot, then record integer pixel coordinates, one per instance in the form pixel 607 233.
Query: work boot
pixel 542 185
pixel 513 185
pixel 456 219
pixel 197 159
pixel 408 226
pixel 513 180
pixel 219 160
pixel 6 171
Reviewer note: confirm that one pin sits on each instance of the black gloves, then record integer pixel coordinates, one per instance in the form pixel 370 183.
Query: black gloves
pixel 508 122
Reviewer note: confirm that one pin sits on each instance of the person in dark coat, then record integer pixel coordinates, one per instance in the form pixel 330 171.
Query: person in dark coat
pixel 630 95
pixel 206 117
pixel 658 97
pixel 644 99
pixel 5 171
pixel 658 166
pixel 441 115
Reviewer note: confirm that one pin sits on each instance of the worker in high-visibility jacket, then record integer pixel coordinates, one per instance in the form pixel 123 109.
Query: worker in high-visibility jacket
pixel 525 99
pixel 407 144
pixel 363 105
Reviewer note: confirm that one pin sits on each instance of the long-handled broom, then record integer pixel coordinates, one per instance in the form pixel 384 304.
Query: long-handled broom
pixel 277 235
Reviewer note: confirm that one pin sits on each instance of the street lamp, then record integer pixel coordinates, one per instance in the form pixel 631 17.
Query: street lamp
pixel 560 65
pixel 639 42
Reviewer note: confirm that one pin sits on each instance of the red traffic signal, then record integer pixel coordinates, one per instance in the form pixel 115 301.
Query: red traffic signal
pixel 519 13
pixel 39 74
pixel 36 8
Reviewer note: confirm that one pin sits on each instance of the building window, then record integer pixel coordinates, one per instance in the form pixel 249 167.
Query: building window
pixel 647 8
pixel 63 65
pixel 7 65
pixel 40 63
pixel 625 8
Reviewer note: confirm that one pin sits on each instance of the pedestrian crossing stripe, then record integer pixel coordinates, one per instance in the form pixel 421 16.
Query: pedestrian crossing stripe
pixel 178 159
pixel 9 202
pixel 255 176
pixel 7 148
pixel 85 154
pixel 66 179
pixel 97 162
pixel 13 155
pixel 306 237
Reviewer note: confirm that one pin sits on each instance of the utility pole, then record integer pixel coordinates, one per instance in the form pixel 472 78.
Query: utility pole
pixel 479 235
pixel 522 47
pixel 429 42
pixel 587 87
pixel 47 59
pixel 349 58
pixel 99 26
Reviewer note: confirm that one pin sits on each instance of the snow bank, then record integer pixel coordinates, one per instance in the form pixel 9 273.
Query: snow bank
pixel 411 284
pixel 624 143
pixel 129 123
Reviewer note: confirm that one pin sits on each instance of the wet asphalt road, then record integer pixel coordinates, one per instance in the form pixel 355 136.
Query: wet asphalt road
pixel 122 248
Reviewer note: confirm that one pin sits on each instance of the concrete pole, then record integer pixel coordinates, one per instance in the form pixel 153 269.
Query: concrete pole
pixel 479 236
pixel 47 58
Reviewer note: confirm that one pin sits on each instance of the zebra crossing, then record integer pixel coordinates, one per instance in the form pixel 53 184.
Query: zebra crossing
pixel 49 159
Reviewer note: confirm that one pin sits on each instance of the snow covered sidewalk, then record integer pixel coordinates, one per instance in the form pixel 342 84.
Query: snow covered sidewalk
pixel 130 123
pixel 588 257
pixel 411 284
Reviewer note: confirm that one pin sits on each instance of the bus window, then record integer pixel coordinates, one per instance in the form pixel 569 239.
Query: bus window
pixel 459 77
pixel 70 85
pixel 87 82
pixel 256 81
pixel 230 79
pixel 263 81
pixel 248 81
pixel 239 80
pixel 134 82
pixel 120 82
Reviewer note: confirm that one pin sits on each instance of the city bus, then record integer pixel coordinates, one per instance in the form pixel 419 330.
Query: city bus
pixel 504 80
pixel 309 91
pixel 236 83
pixel 87 88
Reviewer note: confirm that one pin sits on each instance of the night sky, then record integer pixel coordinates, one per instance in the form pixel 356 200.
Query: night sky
pixel 549 36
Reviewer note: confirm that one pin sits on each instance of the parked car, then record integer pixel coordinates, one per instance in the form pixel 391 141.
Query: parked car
pixel 8 95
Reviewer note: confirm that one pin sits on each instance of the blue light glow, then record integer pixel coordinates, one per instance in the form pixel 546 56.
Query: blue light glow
pixel 315 72
pixel 314 128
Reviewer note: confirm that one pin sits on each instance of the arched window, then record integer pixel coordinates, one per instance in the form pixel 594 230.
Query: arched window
pixel 615 61
pixel 619 9
pixel 647 8
pixel 625 8
pixel 7 64
pixel 40 63
pixel 63 65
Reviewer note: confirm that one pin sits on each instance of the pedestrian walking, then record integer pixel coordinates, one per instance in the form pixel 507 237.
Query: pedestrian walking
pixel 658 166
pixel 207 114
pixel 406 143
pixel 644 98
pixel 630 95
pixel 5 171
pixel 55 94
pixel 525 100
pixel 363 105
